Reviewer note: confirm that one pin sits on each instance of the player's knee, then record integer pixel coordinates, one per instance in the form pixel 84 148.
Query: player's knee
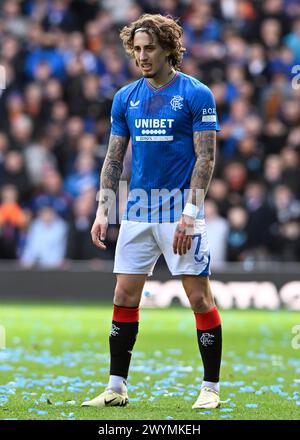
pixel 125 297
pixel 200 302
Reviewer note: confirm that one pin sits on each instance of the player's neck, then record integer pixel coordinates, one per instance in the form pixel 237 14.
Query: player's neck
pixel 163 77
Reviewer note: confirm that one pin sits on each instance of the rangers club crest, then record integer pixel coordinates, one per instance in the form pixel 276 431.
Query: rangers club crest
pixel 176 102
pixel 114 330
pixel 207 339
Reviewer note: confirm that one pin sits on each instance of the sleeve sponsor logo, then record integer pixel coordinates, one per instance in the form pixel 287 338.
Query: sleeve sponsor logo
pixel 209 118
pixel 209 115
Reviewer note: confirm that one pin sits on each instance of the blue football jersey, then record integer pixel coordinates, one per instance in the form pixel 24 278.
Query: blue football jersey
pixel 161 122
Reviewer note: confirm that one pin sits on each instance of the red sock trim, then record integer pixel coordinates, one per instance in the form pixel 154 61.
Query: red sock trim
pixel 208 320
pixel 126 314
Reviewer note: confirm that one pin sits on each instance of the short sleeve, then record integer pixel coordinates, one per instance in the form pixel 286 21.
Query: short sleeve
pixel 203 108
pixel 119 125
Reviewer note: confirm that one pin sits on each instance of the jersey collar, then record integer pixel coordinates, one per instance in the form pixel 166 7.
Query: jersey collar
pixel 165 86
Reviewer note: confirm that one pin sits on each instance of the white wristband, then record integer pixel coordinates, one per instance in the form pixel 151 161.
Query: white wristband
pixel 191 210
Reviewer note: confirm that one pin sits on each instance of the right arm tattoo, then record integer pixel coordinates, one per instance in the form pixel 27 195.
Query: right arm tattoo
pixel 111 171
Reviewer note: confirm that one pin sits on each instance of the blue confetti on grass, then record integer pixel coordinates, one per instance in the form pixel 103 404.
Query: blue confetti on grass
pixel 226 410
pixel 158 393
pixel 251 405
pixel 6 368
pixel 71 414
pixel 275 388
pixel 247 389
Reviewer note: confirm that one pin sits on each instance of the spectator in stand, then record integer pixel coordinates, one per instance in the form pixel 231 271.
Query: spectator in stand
pixel 14 173
pixel 285 229
pixel 287 207
pixel 3 149
pixel 260 219
pixel 237 239
pixel 273 170
pixel 290 113
pixel 12 221
pixel 233 129
pixel 77 52
pixel 46 241
pixel 52 194
pixel 52 93
pixel 83 177
pixel 235 175
pixel 87 144
pixel 257 67
pixel 89 103
pixel 21 129
pixel 79 243
pixel 115 73
pixel 15 23
pixel 288 240
pixel 271 33
pixel 218 192
pixel 217 232
pixel 282 61
pixel 293 138
pixel 46 57
pixel 67 141
pixel 33 106
pixel 273 136
pixel 12 52
pixel 292 40
pixel 290 169
pixel 38 160
pixel 59 15
pixel 249 152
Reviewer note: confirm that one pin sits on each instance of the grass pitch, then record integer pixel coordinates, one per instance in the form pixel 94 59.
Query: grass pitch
pixel 56 356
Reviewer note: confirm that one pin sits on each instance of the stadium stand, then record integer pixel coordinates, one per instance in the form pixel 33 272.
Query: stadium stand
pixel 64 63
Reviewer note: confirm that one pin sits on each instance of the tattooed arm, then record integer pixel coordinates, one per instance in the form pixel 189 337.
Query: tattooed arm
pixel 205 150
pixel 109 181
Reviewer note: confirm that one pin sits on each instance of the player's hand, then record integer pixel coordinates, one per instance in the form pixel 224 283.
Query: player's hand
pixel 182 241
pixel 98 231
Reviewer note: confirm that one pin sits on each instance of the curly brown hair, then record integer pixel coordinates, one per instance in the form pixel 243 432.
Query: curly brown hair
pixel 167 31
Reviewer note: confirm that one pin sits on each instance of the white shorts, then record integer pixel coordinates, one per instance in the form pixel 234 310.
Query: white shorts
pixel 140 245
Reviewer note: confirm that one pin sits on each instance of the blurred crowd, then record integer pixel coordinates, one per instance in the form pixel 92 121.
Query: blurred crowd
pixel 64 62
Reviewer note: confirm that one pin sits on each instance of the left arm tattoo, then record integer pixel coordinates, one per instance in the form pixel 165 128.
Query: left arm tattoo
pixel 205 150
